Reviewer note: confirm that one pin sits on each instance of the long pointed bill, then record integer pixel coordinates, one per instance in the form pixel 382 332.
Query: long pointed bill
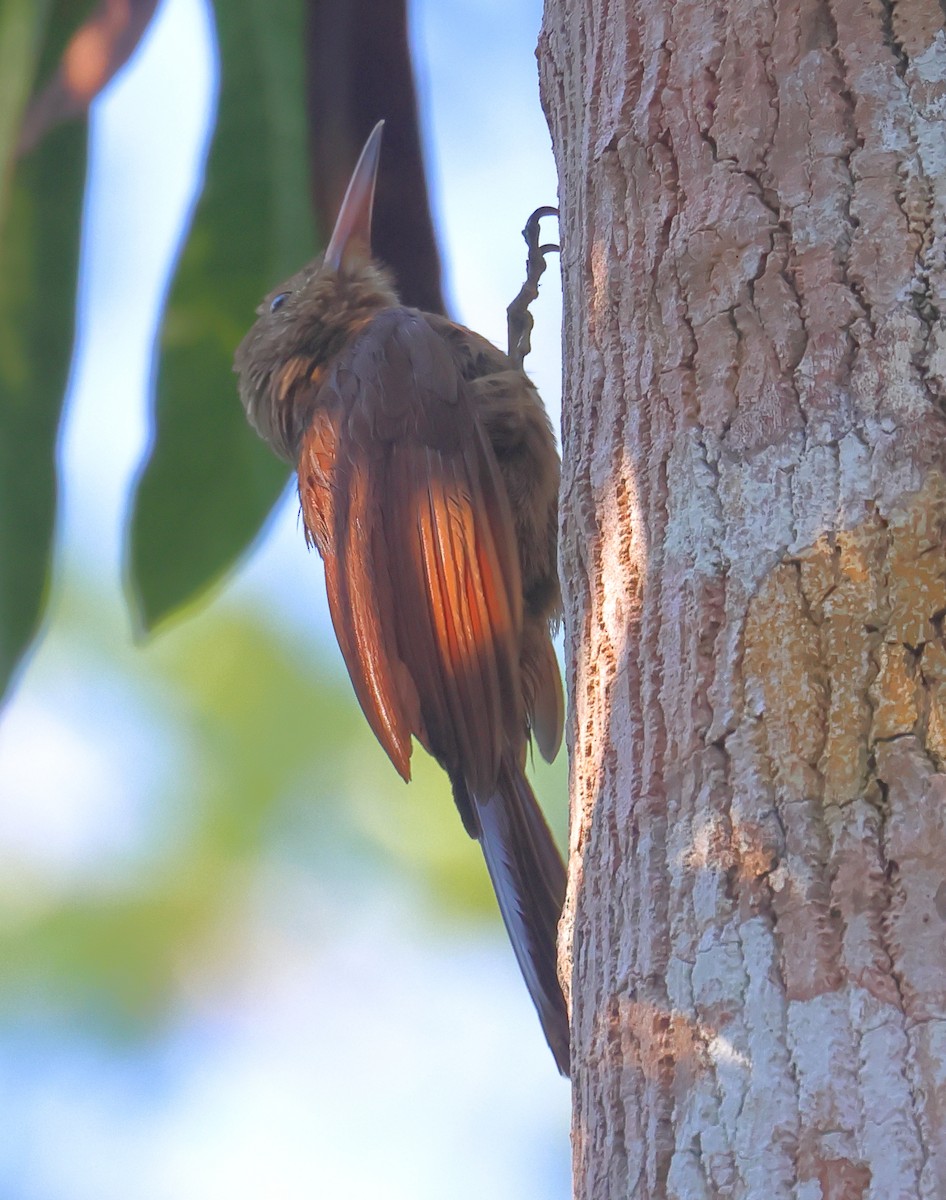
pixel 353 224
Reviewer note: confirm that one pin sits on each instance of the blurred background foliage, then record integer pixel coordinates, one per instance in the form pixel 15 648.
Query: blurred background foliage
pixel 264 762
pixel 166 802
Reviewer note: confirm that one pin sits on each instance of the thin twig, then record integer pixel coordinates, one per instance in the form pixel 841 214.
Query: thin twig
pixel 519 320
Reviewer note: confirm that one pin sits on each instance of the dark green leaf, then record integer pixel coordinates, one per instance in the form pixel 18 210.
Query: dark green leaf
pixel 22 25
pixel 210 483
pixel 40 224
pixel 39 254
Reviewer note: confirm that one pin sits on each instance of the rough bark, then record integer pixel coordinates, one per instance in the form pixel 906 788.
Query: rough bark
pixel 754 507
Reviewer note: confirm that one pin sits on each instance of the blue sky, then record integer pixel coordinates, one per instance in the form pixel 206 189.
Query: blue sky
pixel 303 1080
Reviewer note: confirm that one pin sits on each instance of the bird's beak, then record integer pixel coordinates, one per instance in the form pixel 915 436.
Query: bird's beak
pixel 352 232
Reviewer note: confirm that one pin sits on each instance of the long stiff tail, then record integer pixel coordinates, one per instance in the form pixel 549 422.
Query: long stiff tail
pixel 528 876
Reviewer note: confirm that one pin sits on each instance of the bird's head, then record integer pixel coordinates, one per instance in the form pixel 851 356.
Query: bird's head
pixel 306 320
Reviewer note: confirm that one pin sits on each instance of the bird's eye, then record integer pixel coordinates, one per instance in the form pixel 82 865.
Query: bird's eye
pixel 278 300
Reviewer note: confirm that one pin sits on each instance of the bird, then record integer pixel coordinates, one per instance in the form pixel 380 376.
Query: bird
pixel 428 479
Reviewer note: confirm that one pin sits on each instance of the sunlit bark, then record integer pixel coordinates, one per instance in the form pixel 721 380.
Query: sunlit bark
pixel 754 554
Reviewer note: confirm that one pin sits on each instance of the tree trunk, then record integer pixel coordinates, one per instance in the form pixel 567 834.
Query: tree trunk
pixel 754 509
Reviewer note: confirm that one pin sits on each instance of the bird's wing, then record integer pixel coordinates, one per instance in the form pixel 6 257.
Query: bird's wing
pixel 474 355
pixel 513 417
pixel 402 495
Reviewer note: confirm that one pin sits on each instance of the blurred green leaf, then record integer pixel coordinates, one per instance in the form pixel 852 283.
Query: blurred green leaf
pixel 109 959
pixel 210 482
pixel 40 224
pixel 22 25
pixel 39 257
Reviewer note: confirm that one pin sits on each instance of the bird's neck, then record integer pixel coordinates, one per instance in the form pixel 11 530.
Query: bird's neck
pixel 356 297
